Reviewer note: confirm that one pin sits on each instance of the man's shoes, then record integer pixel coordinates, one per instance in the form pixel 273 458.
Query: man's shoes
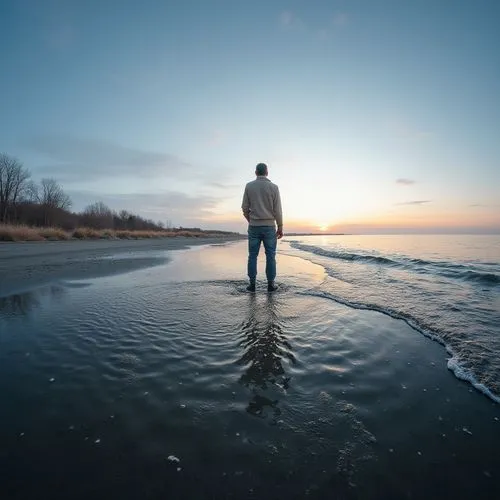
pixel 251 287
pixel 271 287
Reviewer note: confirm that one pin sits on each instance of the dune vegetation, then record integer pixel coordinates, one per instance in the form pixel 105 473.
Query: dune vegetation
pixel 10 232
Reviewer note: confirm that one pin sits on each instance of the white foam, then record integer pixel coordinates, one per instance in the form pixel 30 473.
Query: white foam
pixel 463 374
pixel 173 458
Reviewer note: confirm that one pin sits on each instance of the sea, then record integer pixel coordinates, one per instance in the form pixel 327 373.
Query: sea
pixel 445 287
pixel 372 373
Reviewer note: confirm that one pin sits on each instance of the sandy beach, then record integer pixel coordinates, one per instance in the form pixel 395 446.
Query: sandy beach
pixel 29 264
pixel 171 381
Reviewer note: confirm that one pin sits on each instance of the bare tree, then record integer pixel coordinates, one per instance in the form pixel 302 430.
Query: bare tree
pixel 98 215
pixel 53 196
pixel 53 199
pixel 13 180
pixel 31 192
pixel 98 209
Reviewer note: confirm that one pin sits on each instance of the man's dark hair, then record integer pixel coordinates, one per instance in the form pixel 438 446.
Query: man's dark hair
pixel 261 169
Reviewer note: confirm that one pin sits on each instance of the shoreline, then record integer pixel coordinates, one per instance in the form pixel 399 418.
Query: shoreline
pixel 27 265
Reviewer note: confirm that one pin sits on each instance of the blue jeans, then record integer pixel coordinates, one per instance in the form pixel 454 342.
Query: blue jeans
pixel 267 235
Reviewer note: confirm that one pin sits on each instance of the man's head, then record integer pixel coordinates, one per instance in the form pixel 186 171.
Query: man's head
pixel 261 169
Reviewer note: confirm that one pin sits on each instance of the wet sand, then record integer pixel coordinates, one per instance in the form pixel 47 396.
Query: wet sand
pixel 173 382
pixel 31 264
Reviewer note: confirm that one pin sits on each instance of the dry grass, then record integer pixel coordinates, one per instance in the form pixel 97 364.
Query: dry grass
pixel 86 233
pixel 53 233
pixel 26 233
pixel 19 233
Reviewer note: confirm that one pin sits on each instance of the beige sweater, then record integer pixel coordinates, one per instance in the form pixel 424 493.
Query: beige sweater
pixel 262 203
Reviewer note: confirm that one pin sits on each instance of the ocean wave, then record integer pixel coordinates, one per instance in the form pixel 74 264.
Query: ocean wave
pixel 443 268
pixel 484 278
pixel 342 255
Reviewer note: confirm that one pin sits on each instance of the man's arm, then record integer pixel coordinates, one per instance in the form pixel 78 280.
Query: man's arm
pixel 278 213
pixel 245 205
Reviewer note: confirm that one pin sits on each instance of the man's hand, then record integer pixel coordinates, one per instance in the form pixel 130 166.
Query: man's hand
pixel 279 234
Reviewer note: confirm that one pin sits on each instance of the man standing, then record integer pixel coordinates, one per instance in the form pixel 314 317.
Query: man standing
pixel 262 208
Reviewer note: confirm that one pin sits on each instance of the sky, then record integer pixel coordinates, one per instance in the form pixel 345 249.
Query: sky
pixel 372 115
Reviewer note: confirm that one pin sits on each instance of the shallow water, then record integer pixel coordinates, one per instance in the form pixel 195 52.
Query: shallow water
pixel 447 287
pixel 173 382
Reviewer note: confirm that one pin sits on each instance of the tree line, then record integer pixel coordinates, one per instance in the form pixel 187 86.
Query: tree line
pixel 43 204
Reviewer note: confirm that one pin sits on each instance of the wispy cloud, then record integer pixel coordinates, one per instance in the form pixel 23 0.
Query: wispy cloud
pixel 286 18
pixel 414 202
pixel 405 182
pixel 219 185
pixel 71 160
pixel 324 30
pixel 174 205
pixel 404 129
pixel 290 20
pixel 340 19
pixel 216 137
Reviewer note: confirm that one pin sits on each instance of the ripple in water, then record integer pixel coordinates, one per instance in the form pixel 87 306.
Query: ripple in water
pixel 144 385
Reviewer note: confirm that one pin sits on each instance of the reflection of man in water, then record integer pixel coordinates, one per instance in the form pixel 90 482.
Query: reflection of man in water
pixel 261 208
pixel 265 345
